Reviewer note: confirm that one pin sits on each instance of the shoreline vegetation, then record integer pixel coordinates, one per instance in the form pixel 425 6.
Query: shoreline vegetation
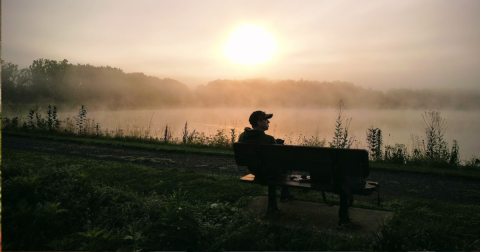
pixel 430 150
pixel 69 86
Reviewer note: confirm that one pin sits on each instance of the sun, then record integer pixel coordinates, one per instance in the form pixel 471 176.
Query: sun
pixel 250 45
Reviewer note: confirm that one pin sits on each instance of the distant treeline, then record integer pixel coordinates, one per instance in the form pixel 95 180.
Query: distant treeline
pixel 67 85
pixel 60 83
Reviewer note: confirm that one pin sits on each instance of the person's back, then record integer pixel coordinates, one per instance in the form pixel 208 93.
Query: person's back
pixel 255 136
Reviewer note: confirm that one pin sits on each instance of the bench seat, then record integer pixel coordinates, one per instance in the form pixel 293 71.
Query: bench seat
pixel 370 186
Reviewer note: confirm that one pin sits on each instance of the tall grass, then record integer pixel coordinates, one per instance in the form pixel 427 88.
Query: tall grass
pixel 341 138
pixel 375 142
pixel 429 149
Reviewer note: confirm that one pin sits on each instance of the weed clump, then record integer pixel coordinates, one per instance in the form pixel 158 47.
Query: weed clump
pixel 436 148
pixel 431 149
pixel 81 120
pixel 314 140
pixel 341 138
pixel 396 154
pixel 374 143
pixel 473 163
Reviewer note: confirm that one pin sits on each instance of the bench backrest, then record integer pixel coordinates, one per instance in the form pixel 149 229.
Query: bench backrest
pixel 321 162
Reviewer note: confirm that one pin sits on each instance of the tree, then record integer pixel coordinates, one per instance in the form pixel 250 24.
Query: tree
pixel 48 79
pixel 10 75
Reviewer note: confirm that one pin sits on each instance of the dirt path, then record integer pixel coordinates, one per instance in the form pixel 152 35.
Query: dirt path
pixel 393 185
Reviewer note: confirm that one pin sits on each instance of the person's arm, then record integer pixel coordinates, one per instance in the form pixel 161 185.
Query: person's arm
pixel 240 138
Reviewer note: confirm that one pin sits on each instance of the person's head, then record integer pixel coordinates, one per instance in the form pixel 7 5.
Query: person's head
pixel 259 120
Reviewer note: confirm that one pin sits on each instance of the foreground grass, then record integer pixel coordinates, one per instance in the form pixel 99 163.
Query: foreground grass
pixel 63 203
pixel 460 172
pixel 125 142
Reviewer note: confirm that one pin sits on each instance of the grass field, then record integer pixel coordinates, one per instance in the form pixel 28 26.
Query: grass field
pixel 54 202
pixel 461 172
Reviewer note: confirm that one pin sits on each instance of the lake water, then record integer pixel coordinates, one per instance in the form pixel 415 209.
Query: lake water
pixel 397 125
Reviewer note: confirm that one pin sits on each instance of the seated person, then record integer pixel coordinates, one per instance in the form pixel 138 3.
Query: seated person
pixel 256 134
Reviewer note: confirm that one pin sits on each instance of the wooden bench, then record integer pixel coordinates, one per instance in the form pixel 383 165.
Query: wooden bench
pixel 325 166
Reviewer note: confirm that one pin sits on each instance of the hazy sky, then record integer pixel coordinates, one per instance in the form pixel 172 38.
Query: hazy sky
pixel 375 43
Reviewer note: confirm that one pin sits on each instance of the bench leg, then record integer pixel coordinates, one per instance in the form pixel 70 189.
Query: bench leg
pixel 272 199
pixel 343 213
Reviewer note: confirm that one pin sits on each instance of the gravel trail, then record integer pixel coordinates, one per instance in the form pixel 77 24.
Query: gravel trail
pixel 393 184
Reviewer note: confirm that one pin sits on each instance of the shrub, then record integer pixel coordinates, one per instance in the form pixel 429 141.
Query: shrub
pixel 473 163
pixel 220 139
pixel 186 136
pixel 233 135
pixel 436 148
pixel 341 139
pixel 53 124
pixel 454 155
pixel 314 140
pixel 396 154
pixel 167 136
pixel 80 120
pixel 198 138
pixel 374 143
pixel 8 123
pixel 418 150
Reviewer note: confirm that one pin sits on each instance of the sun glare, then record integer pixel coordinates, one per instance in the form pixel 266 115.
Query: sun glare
pixel 250 45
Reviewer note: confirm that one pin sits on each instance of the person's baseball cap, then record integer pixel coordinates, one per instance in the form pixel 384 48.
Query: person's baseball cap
pixel 258 115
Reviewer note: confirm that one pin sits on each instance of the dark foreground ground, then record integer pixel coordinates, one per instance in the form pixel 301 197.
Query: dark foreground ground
pixel 393 184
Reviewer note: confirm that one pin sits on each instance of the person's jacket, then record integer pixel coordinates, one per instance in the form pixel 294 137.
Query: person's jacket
pixel 255 136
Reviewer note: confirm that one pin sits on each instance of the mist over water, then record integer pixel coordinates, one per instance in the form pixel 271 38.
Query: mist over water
pixel 290 124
